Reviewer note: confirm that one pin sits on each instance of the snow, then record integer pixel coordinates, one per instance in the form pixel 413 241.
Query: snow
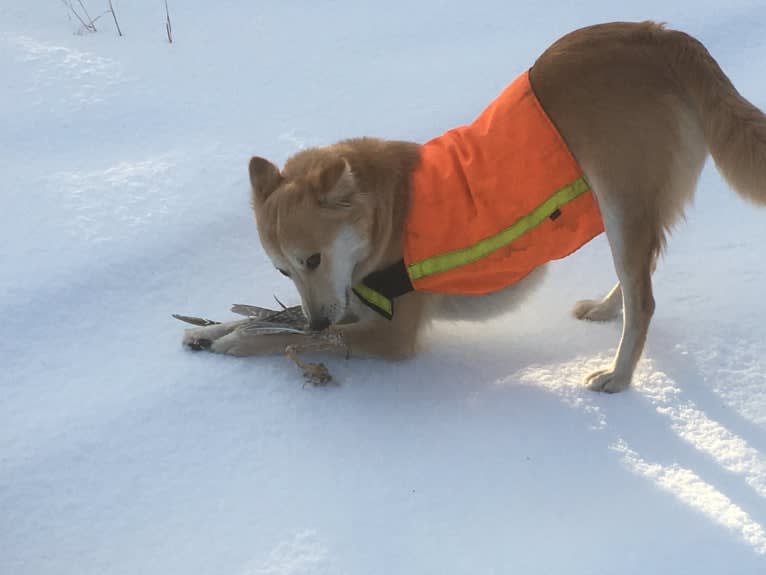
pixel 125 199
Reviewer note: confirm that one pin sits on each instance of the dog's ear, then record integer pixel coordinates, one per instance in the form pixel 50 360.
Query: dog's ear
pixel 336 185
pixel 264 179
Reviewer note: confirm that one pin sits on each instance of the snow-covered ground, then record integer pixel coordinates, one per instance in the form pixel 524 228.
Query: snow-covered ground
pixel 124 199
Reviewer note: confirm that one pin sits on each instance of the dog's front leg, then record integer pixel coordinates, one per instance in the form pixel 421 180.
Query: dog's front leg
pixel 232 338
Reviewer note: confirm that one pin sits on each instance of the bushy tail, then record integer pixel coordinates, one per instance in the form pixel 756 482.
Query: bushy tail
pixel 735 130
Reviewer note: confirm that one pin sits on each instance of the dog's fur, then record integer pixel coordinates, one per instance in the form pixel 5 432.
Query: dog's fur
pixel 640 108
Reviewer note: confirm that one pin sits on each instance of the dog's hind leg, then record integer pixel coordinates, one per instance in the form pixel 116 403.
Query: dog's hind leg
pixel 635 246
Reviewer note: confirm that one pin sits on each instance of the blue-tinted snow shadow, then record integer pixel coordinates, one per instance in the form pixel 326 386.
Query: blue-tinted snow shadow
pixel 428 457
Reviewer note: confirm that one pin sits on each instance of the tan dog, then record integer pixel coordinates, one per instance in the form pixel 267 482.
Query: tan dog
pixel 639 106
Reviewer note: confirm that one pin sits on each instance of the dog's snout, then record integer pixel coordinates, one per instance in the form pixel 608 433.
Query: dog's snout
pixel 319 324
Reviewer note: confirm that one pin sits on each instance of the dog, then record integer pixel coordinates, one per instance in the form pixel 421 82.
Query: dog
pixel 630 110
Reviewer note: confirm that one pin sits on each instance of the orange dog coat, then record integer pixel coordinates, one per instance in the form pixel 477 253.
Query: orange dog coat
pixel 495 199
pixel 491 201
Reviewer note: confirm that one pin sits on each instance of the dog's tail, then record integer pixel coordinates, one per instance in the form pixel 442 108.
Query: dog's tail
pixel 734 129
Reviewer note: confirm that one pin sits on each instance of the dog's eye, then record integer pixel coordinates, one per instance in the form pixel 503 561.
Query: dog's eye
pixel 283 272
pixel 313 262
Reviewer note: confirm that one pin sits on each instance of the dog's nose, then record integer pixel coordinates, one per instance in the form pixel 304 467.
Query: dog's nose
pixel 319 324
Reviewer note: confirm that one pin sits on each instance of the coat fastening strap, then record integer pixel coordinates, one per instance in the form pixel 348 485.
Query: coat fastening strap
pixel 379 289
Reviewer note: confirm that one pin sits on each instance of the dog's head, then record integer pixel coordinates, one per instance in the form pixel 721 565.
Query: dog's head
pixel 313 223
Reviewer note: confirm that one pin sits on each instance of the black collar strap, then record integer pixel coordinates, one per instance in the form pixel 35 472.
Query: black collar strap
pixel 379 289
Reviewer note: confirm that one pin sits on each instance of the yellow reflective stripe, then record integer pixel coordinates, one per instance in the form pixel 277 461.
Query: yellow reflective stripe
pixel 463 256
pixel 374 298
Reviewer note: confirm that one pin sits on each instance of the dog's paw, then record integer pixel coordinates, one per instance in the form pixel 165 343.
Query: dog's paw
pixel 607 381
pixel 196 339
pixel 202 338
pixel 595 310
pixel 197 343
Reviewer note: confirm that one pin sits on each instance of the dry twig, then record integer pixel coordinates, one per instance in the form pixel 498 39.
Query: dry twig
pixel 84 17
pixel 116 23
pixel 85 11
pixel 168 26
pixel 88 25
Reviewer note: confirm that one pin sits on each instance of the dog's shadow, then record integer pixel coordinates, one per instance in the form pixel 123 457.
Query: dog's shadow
pixel 671 428
pixel 673 431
